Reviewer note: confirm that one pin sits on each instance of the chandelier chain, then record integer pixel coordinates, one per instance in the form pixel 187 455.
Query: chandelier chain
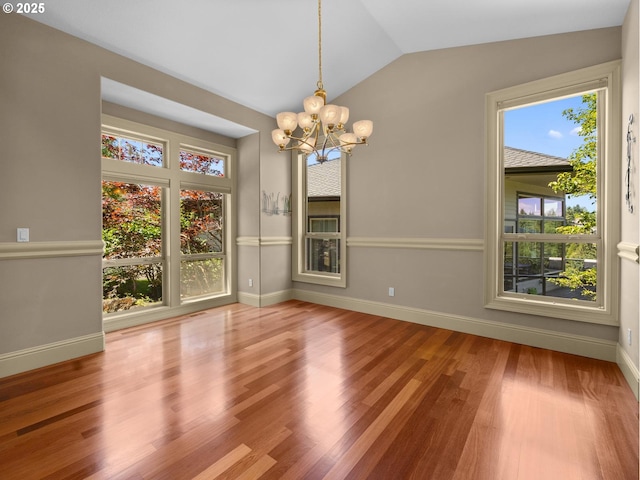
pixel 320 44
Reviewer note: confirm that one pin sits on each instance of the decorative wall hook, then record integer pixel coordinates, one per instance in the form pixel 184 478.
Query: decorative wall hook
pixel 627 177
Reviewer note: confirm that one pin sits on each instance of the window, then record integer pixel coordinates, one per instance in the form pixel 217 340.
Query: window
pixel 132 233
pixel 167 205
pixel 133 150
pixel 319 246
pixel 552 220
pixel 201 243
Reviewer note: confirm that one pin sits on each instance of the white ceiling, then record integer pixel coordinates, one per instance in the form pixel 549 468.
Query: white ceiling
pixel 263 53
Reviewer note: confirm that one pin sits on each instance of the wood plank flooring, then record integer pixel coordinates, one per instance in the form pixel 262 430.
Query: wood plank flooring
pixel 299 390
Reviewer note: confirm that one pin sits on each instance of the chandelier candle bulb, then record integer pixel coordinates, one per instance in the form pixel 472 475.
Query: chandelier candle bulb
pixel 305 121
pixel 287 121
pixel 344 116
pixel 348 141
pixel 313 104
pixel 363 128
pixel 280 138
pixel 330 115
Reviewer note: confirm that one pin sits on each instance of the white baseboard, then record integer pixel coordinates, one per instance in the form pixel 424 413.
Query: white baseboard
pixel 629 370
pixel 130 319
pixel 43 355
pixel 266 299
pixel 275 297
pixel 249 299
pixel 535 337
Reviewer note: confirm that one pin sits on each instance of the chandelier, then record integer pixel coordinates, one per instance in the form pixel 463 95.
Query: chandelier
pixel 322 128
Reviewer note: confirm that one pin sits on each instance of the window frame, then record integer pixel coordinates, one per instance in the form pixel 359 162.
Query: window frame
pixel 301 226
pixel 606 79
pixel 173 180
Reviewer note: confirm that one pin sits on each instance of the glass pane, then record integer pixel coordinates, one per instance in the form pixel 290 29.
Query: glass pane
pixel 529 255
pixel 529 285
pixel 323 194
pixel 132 150
pixel 581 219
pixel 553 226
pixel 529 206
pixel 207 164
pixel 550 155
pixel 529 226
pixel 553 207
pixel 554 256
pixel 131 220
pixel 578 279
pixel 201 222
pixel 131 286
pixel 323 225
pixel 565 271
pixel 201 277
pixel 110 147
pixel 323 255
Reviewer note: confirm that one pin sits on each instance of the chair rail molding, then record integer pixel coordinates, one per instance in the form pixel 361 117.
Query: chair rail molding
pixel 76 248
pixel 263 241
pixel 425 243
pixel 629 251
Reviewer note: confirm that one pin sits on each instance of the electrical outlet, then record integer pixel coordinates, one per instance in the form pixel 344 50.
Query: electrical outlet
pixel 629 336
pixel 251 282
pixel 392 292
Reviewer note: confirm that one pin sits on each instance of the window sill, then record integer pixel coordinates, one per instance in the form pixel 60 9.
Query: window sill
pixel 568 311
pixel 331 281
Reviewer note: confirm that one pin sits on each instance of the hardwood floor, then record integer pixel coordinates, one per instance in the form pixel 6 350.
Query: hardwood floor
pixel 305 391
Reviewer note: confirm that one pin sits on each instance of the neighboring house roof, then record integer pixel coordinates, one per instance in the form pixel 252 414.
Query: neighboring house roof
pixel 324 179
pixel 524 161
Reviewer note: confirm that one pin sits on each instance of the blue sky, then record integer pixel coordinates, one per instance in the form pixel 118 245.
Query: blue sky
pixel 542 128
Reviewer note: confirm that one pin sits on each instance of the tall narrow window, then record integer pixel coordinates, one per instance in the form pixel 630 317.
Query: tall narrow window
pixel 551 201
pixel 132 235
pixel 201 243
pixel 319 221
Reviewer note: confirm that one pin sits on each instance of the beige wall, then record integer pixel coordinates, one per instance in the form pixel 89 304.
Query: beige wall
pixel 629 271
pixel 422 177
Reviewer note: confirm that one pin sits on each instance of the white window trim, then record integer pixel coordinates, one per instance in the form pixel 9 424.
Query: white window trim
pixel 299 227
pixel 170 175
pixel 605 75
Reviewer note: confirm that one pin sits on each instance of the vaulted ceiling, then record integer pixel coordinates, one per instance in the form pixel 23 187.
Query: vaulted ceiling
pixel 263 53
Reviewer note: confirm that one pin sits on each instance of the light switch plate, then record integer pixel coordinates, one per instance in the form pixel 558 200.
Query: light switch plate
pixel 23 234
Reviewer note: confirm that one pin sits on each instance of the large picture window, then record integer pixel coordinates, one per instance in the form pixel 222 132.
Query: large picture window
pixel 167 205
pixel 551 217
pixel 319 246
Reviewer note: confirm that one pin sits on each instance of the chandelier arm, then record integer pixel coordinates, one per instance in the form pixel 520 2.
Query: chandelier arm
pixel 359 142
